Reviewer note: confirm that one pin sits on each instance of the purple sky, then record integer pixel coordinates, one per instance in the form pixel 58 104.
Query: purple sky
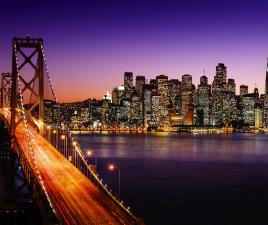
pixel 89 44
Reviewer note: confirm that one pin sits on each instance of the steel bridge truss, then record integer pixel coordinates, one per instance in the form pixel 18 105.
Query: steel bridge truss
pixel 19 46
pixel 5 90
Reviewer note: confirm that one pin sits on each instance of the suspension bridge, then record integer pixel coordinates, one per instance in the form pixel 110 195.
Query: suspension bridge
pixel 66 188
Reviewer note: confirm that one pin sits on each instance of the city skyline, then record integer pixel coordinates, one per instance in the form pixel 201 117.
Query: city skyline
pixel 89 45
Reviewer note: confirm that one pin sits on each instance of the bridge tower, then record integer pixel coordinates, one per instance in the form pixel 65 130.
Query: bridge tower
pixel 21 82
pixel 5 89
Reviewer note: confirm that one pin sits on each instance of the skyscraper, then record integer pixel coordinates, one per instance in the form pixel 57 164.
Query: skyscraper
pixel 265 116
pixel 187 98
pixel 156 109
pixel 147 104
pixel 203 101
pixel 248 109
pixel 218 88
pixel 135 110
pixel 174 96
pixel 128 82
pixel 162 89
pixel 140 81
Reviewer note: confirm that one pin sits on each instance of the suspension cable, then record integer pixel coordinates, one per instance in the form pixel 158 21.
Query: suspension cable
pixel 26 126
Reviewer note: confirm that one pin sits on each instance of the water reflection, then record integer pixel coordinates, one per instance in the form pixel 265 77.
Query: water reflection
pixel 185 179
pixel 236 147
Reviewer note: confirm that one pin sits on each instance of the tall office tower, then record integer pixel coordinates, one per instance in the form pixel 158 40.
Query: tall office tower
pixel 265 108
pixel 258 117
pixel 174 96
pixel 115 99
pixel 147 104
pixel 128 82
pixel 135 118
pixel 248 109
pixel 140 81
pixel 243 90
pixel 218 88
pixel 156 109
pixel 117 95
pixel 203 110
pixel 105 112
pixel 112 115
pixel 231 86
pixel 230 103
pixel 187 98
pixel 162 89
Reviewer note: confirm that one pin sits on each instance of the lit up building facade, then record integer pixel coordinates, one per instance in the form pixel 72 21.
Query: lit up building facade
pixel 163 102
pixel 187 98
pixel 203 102
pixel 218 88
pixel 162 89
pixel 265 110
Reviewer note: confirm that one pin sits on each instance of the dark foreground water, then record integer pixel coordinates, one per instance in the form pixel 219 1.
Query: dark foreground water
pixel 187 179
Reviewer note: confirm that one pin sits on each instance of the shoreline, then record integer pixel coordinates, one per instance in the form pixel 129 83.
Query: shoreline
pixel 194 131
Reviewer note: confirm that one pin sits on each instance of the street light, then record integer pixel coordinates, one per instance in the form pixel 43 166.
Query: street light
pixel 49 129
pixel 113 167
pixel 55 138
pixel 90 153
pixel 63 138
pixel 74 143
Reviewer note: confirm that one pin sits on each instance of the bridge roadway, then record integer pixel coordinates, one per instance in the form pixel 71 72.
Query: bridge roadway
pixel 75 198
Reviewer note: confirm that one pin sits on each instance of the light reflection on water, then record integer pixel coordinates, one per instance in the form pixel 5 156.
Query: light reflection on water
pixel 184 179
pixel 237 147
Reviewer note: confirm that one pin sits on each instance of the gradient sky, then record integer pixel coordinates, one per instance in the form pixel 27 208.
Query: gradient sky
pixel 89 44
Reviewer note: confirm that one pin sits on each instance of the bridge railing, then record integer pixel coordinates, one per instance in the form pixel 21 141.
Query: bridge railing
pixel 22 152
pixel 63 141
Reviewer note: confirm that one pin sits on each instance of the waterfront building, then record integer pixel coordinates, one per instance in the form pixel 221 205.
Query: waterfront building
pixel 174 96
pixel 156 110
pixel 248 109
pixel 218 88
pixel 135 118
pixel 187 98
pixel 258 117
pixel 125 114
pixel 105 112
pixel 230 103
pixel 203 102
pixel 162 89
pixel 112 115
pixel 230 108
pixel 147 104
pixel 95 111
pixel 265 112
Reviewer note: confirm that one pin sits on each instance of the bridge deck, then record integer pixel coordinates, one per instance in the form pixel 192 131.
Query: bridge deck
pixel 75 198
